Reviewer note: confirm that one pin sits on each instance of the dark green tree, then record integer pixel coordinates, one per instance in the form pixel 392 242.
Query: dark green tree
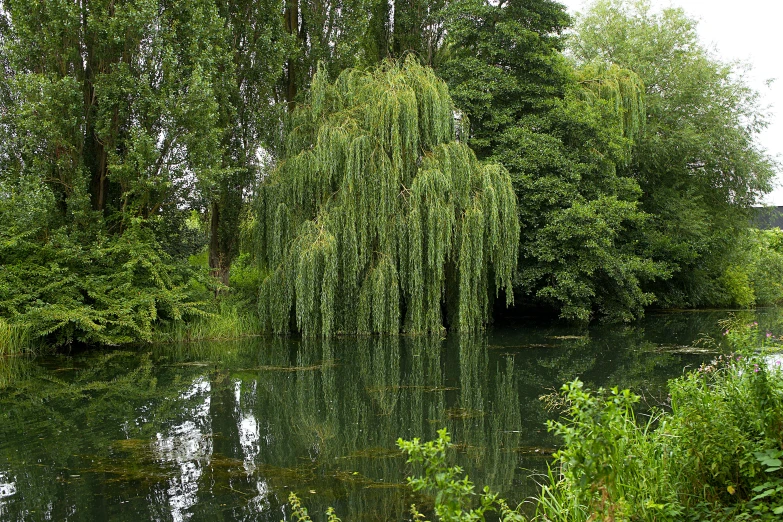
pixel 114 104
pixel 502 62
pixel 561 134
pixel 355 33
pixel 248 118
pixel 108 117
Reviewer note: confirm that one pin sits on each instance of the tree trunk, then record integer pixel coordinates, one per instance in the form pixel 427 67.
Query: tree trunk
pixel 218 260
pixel 292 28
pixel 95 155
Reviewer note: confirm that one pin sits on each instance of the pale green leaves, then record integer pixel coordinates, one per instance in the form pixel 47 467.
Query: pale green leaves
pixel 376 221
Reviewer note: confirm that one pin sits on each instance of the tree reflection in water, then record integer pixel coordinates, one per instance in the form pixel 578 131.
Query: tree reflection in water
pixel 227 430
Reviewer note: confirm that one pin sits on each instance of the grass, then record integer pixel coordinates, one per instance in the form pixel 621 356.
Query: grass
pixel 230 321
pixel 14 340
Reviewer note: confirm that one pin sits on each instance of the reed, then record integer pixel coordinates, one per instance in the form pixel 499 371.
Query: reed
pixel 230 321
pixel 13 339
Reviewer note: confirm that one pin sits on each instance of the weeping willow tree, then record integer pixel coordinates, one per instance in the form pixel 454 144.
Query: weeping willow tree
pixel 377 220
pixel 622 89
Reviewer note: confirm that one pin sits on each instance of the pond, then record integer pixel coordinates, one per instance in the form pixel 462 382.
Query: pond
pixel 224 431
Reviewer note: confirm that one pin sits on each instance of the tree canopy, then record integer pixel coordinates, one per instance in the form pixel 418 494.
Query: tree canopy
pixel 367 166
pixel 698 162
pixel 376 219
pixel 109 117
pixel 562 133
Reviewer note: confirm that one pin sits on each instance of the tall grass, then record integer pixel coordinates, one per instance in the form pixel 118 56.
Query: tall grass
pixel 229 321
pixel 611 466
pixel 714 456
pixel 13 339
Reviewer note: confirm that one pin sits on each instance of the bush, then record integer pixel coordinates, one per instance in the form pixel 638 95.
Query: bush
pixel 96 289
pixel 454 493
pixel 737 287
pixel 715 455
pixel 610 466
pixel 766 269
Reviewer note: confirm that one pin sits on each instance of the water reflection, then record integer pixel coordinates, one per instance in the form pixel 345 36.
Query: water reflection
pixel 7 489
pixel 188 446
pixel 226 431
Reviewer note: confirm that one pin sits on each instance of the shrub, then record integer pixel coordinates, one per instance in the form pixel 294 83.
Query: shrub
pixel 97 289
pixel 610 466
pixel 453 495
pixel 715 455
pixel 766 268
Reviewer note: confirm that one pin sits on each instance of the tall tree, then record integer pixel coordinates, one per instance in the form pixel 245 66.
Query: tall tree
pixel 114 103
pixel 418 28
pixel 247 116
pixel 109 115
pixel 502 62
pixel 356 33
pixel 336 33
pixel 698 163
pixel 561 134
pixel 377 220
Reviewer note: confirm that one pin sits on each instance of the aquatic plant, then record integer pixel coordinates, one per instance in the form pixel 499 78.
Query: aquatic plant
pixel 714 456
pixel 299 512
pixel 377 220
pixel 13 338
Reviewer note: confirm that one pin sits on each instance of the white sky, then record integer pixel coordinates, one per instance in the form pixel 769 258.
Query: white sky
pixel 747 30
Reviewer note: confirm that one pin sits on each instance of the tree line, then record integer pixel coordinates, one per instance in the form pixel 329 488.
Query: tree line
pixel 367 166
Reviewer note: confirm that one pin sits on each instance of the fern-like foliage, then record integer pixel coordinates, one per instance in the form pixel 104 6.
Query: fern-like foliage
pixel 109 290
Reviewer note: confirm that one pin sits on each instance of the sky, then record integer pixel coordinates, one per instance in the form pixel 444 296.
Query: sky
pixel 747 30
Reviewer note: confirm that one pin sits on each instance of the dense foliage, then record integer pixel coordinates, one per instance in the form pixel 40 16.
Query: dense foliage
pixel 119 125
pixel 563 133
pixel 135 134
pixel 754 275
pixel 715 455
pixel 376 219
pixel 697 163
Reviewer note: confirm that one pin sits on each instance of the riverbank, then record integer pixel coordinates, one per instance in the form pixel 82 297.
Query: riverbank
pixel 714 452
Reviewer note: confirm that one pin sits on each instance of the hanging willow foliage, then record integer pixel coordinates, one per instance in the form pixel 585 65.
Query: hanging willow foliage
pixel 377 221
pixel 622 88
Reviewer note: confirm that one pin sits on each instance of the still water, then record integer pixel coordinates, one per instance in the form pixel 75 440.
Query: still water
pixel 224 431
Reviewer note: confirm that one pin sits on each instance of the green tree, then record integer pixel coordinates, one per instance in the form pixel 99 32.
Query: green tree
pixel 108 117
pixel 112 106
pixel 336 33
pixel 376 220
pixel 355 33
pixel 562 134
pixel 502 62
pixel 248 118
pixel 698 163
